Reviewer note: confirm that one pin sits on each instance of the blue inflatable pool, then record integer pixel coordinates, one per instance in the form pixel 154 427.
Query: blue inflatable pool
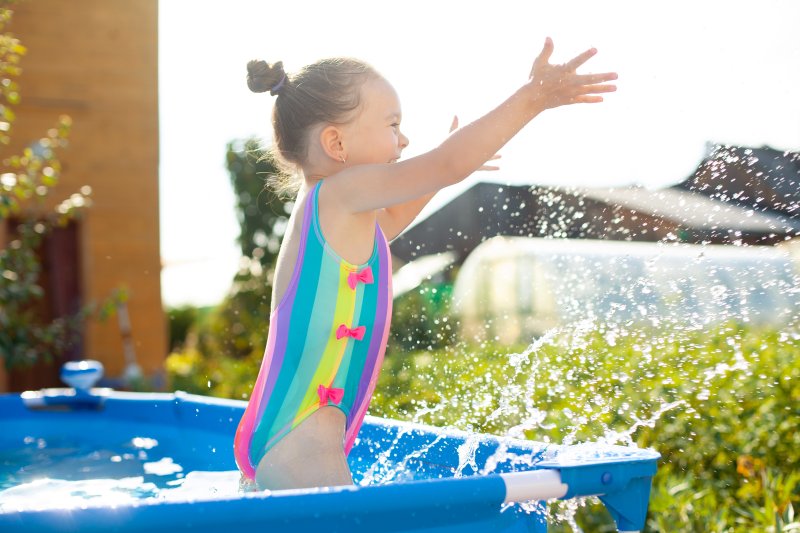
pixel 409 477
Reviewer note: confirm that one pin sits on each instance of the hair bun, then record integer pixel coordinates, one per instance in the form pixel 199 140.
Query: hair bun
pixel 262 77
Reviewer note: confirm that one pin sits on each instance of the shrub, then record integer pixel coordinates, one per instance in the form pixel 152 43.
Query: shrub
pixel 719 405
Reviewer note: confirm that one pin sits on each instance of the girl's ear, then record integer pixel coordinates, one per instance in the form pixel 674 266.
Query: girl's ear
pixel 331 139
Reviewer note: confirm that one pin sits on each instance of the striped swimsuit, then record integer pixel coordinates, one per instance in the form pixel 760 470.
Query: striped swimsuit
pixel 325 345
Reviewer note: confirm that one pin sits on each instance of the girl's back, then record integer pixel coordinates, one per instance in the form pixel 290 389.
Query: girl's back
pixel 349 236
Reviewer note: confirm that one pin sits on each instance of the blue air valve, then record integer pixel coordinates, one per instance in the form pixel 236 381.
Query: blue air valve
pixel 82 375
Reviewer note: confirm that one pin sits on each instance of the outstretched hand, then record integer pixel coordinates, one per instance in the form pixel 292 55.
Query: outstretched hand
pixel 558 85
pixel 454 127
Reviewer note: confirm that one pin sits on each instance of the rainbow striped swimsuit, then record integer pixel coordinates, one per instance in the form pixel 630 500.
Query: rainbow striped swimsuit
pixel 325 345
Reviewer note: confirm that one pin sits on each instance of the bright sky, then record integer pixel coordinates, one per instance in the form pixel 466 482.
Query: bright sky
pixel 689 73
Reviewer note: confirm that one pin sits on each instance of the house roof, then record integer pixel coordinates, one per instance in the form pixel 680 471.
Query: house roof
pixel 489 209
pixel 690 209
pixel 764 179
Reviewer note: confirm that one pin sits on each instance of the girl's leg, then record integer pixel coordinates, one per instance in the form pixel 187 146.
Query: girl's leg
pixel 311 455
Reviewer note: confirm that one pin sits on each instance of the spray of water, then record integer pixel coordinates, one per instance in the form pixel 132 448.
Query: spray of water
pixel 668 322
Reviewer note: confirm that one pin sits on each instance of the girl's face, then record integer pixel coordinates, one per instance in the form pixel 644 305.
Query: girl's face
pixel 374 135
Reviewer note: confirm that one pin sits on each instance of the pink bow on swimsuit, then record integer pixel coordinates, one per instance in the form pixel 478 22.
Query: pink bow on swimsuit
pixel 365 276
pixel 325 394
pixel 356 333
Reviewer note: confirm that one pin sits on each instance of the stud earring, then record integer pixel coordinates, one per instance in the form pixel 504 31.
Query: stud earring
pixel 341 156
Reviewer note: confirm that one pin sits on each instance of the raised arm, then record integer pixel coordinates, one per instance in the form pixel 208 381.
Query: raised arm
pixel 371 187
pixel 395 219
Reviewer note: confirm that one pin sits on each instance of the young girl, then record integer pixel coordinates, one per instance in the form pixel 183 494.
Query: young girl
pixel 337 126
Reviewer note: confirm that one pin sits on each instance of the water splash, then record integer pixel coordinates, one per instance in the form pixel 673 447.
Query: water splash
pixel 572 385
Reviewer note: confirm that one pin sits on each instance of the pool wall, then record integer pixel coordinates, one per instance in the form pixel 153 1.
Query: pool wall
pixel 437 490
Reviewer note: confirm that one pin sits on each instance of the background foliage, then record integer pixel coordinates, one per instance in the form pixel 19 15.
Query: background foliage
pixel 221 350
pixel 261 213
pixel 26 179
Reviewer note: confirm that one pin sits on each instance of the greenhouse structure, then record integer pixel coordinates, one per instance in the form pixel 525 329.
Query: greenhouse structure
pixel 514 289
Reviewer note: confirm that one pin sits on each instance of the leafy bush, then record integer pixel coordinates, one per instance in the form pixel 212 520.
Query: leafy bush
pixel 720 406
pixel 421 319
pixel 224 347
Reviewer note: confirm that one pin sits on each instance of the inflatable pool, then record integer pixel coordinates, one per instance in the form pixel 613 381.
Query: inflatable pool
pixel 137 448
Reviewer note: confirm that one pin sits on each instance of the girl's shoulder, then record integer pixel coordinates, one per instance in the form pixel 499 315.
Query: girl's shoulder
pixel 351 235
pixel 327 194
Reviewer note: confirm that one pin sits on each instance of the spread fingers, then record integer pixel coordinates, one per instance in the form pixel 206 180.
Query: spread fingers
pixel 577 61
pixel 593 89
pixel 592 79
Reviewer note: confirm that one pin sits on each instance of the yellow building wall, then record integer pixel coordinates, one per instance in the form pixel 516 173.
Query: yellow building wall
pixel 97 61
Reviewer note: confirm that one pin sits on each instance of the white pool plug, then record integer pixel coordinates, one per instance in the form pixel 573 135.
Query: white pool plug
pixel 82 375
pixel 533 485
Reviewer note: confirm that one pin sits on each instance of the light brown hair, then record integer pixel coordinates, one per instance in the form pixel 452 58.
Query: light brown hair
pixel 328 91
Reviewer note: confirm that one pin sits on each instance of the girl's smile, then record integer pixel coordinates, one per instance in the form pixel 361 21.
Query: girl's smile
pixel 374 135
